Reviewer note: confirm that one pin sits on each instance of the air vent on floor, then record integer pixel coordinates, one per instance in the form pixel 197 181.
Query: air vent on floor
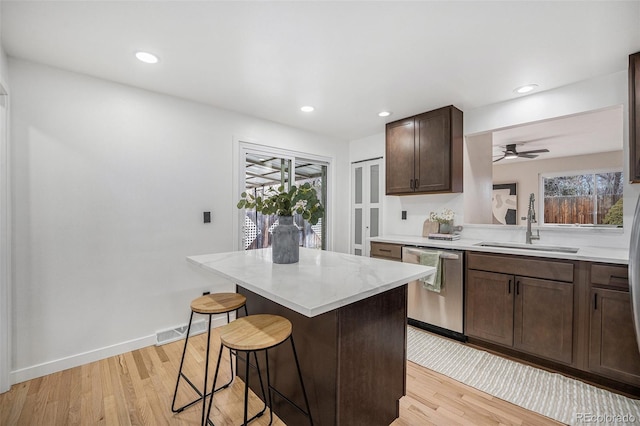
pixel 173 334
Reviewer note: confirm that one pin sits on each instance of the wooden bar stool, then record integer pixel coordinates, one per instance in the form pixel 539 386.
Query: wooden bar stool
pixel 210 304
pixel 252 334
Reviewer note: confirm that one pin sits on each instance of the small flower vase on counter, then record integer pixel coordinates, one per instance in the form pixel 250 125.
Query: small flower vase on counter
pixel 285 245
pixel 445 228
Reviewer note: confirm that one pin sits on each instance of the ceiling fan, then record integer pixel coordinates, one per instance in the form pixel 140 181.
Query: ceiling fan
pixel 510 153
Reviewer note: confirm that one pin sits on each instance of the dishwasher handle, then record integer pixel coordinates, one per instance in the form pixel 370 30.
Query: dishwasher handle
pixel 444 255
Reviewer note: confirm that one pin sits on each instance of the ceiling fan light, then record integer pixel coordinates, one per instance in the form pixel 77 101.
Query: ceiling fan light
pixel 510 155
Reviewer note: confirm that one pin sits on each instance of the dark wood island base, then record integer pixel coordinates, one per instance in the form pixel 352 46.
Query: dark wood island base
pixel 353 361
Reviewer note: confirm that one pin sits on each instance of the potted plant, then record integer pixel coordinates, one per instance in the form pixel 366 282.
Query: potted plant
pixel 444 219
pixel 284 203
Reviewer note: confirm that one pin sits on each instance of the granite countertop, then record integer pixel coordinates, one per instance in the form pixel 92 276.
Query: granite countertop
pixel 586 253
pixel 320 282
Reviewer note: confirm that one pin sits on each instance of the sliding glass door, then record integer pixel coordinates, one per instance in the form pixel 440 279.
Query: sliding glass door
pixel 264 169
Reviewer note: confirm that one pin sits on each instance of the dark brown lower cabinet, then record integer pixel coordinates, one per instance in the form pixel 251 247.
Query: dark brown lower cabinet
pixel 569 316
pixel 489 307
pixel 543 318
pixel 613 351
pixel 528 314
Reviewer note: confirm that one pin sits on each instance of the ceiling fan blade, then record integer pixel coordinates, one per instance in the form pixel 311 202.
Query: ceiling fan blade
pixel 535 151
pixel 501 158
pixel 521 155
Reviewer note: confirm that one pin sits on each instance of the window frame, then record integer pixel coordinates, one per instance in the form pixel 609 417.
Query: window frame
pixel 246 146
pixel 541 195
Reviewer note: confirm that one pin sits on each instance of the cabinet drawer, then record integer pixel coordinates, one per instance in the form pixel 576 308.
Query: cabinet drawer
pixel 392 251
pixel 524 266
pixel 611 276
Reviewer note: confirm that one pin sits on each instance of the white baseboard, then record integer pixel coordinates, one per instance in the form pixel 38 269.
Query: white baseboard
pixel 50 367
pixel 28 373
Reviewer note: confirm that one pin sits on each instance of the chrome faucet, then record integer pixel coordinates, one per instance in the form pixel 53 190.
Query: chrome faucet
pixel 531 218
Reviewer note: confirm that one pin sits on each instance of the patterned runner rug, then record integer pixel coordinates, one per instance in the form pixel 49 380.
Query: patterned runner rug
pixel 553 395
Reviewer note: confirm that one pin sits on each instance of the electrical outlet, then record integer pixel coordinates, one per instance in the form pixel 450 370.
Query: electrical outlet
pixel 204 293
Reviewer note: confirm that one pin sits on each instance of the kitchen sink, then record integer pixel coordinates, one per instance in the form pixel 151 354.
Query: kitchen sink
pixel 558 249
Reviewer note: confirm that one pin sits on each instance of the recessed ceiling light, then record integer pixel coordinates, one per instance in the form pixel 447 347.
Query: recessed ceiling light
pixel 384 113
pixel 525 89
pixel 147 57
pixel 307 108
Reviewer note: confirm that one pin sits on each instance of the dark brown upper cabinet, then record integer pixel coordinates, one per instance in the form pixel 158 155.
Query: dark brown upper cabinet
pixel 424 153
pixel 634 117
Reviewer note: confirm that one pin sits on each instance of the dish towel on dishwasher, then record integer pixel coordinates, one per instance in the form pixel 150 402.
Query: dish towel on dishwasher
pixel 434 281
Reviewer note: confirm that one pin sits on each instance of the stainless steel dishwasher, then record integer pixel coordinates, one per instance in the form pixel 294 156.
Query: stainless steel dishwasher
pixel 441 312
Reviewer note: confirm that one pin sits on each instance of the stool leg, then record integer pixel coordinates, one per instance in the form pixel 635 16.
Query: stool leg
pixel 266 355
pixel 304 392
pixel 206 372
pixel 215 377
pixel 184 351
pixel 264 395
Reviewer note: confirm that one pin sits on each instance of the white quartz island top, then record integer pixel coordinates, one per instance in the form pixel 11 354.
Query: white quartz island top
pixel 320 282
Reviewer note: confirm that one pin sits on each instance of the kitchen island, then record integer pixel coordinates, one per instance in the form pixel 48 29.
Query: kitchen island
pixel 349 318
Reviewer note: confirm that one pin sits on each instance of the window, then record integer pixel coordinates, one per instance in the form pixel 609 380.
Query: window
pixel 264 169
pixel 583 198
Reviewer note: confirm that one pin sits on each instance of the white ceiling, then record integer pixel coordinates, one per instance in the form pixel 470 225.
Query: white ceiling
pixel 348 59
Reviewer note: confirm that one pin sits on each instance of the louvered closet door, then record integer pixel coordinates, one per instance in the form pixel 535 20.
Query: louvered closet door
pixel 366 204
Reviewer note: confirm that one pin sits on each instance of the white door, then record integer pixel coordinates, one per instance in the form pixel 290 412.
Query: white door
pixel 366 204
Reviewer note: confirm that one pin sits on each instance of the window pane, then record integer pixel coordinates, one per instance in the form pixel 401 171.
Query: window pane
pixel 610 198
pixel 358 227
pixel 358 252
pixel 375 183
pixel 358 189
pixel 374 222
pixel 263 172
pixel 584 199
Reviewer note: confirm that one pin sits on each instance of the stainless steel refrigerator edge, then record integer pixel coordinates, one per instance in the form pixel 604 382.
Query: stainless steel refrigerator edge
pixel 439 312
pixel 634 271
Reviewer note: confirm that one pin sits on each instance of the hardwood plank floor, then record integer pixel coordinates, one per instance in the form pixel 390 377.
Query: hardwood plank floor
pixel 136 388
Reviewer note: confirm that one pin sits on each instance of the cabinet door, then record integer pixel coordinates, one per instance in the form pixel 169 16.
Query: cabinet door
pixel 543 318
pixel 400 151
pixel 634 117
pixel 613 350
pixel 489 306
pixel 433 151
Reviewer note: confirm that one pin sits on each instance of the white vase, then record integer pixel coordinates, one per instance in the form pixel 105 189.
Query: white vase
pixel 285 245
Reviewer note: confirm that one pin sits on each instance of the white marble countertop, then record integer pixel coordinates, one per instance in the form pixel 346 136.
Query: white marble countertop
pixel 586 253
pixel 320 282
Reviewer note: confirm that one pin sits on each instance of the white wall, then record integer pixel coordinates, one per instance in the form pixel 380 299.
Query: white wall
pixel 478 178
pixel 110 183
pixel 526 173
pixel 602 92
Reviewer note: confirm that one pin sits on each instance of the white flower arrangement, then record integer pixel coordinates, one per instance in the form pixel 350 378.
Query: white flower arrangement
pixel 446 216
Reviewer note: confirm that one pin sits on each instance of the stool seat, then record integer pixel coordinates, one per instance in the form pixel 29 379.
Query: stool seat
pixel 255 332
pixel 218 303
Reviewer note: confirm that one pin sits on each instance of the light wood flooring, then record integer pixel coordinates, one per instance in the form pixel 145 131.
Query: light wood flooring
pixel 136 388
